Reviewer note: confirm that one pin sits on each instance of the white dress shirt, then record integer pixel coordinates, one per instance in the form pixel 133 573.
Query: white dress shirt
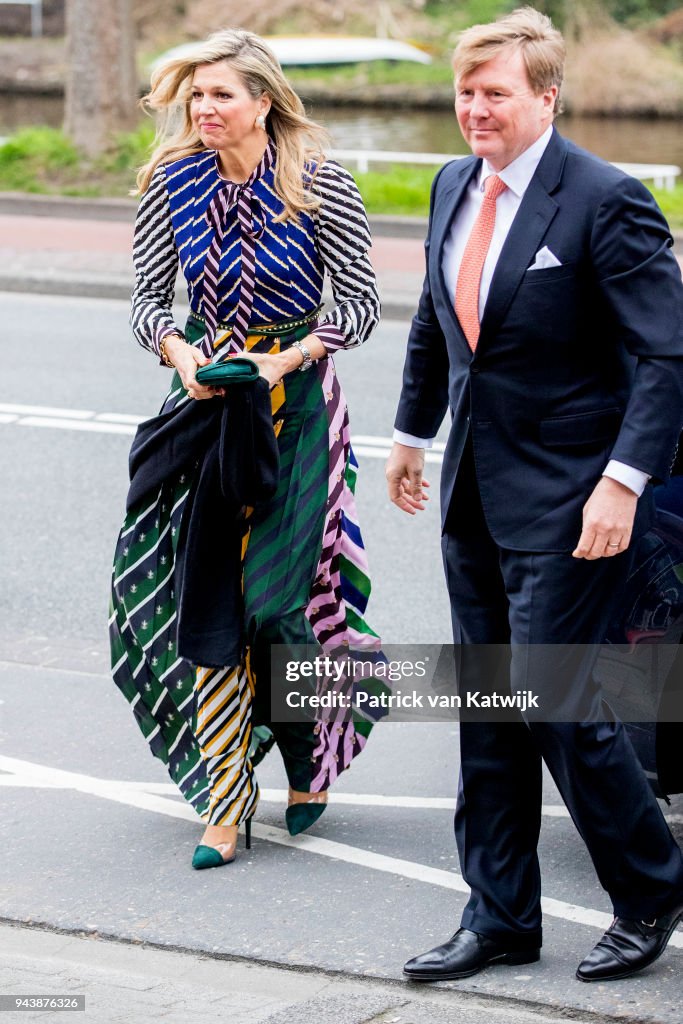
pixel 517 176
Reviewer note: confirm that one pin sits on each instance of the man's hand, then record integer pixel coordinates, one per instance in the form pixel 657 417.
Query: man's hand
pixel 607 520
pixel 405 482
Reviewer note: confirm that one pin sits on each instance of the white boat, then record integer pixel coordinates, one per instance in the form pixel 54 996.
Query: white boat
pixel 308 51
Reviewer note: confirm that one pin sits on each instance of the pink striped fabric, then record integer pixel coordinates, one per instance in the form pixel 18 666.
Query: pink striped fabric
pixel 252 225
pixel 338 740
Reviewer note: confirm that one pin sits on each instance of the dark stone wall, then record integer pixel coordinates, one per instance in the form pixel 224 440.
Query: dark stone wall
pixel 15 19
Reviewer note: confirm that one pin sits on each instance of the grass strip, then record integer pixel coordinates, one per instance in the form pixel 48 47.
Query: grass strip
pixel 43 160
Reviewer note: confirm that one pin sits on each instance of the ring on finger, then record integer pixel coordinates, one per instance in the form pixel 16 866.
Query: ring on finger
pixel 611 544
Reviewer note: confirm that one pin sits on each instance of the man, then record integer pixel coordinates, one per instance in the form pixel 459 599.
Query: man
pixel 550 326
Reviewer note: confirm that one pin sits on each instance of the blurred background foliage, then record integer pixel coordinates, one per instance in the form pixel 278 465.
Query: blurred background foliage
pixel 625 60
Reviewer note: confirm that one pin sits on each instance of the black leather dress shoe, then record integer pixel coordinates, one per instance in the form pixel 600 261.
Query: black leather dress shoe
pixel 628 947
pixel 465 954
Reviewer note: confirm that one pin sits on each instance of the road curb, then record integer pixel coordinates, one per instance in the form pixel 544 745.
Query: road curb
pixel 23 204
pixel 397 992
pixel 76 287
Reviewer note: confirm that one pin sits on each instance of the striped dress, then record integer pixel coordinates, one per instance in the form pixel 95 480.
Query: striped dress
pixel 305 578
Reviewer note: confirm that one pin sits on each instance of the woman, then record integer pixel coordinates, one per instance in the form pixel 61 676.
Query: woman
pixel 239 193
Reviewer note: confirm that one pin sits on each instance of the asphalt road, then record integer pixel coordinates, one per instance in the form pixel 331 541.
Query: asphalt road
pixel 94 836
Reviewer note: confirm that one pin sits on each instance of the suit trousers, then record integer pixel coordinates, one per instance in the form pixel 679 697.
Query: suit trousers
pixel 529 599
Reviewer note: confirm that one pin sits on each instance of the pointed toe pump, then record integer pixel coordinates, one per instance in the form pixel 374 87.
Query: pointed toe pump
pixel 220 854
pixel 303 810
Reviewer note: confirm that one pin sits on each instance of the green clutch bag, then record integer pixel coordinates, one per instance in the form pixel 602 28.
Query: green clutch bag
pixel 239 370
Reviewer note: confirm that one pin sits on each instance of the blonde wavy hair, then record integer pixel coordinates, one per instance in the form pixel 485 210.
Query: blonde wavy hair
pixel 298 139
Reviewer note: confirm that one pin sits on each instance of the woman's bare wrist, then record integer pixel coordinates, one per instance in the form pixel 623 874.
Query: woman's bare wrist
pixel 291 359
pixel 168 346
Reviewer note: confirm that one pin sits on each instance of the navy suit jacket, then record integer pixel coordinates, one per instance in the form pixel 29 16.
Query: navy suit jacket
pixel 575 364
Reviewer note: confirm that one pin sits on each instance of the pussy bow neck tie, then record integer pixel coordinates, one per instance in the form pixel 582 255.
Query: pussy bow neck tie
pixel 251 220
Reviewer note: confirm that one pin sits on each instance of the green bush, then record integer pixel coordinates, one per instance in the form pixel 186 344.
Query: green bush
pixel 33 154
pixel 44 160
pixel 671 203
pixel 401 190
pixel 129 149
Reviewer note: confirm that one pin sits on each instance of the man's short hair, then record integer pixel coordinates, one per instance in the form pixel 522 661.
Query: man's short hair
pixel 525 28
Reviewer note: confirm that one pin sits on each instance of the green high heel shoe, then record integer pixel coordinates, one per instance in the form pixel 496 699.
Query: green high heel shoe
pixel 303 810
pixel 211 856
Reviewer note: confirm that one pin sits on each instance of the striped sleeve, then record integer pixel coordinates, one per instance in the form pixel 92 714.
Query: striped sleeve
pixel 343 240
pixel 155 258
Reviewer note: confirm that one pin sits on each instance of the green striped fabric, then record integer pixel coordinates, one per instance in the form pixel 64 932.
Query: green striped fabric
pixel 283 555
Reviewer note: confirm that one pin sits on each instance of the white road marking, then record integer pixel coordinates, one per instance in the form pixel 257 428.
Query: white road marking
pixel 364 445
pixel 119 417
pixel 20 782
pixel 133 796
pixel 279 796
pixel 89 425
pixel 46 410
pixel 268 795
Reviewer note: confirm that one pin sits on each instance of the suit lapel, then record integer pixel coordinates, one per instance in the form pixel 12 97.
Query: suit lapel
pixel 531 222
pixel 444 214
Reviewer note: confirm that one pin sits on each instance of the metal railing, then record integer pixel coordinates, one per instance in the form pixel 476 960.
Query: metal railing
pixel 36 13
pixel 662 175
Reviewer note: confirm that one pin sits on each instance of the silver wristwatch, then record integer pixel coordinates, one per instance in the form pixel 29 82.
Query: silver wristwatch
pixel 308 362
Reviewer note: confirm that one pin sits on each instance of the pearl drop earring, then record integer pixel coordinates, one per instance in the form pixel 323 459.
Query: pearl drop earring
pixel 261 122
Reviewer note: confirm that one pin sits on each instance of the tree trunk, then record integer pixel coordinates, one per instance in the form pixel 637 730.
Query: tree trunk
pixel 101 84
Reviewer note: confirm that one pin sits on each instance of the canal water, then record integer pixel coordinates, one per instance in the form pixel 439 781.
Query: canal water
pixel 657 141
pixel 619 139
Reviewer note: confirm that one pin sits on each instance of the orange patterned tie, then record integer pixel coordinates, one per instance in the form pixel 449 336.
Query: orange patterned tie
pixel 473 259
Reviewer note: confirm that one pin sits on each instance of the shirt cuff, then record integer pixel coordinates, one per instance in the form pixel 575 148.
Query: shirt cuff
pixel 411 441
pixel 632 478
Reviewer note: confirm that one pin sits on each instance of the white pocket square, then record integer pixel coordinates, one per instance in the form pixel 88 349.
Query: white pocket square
pixel 544 259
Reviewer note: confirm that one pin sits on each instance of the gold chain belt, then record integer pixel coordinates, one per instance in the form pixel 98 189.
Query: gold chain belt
pixel 283 327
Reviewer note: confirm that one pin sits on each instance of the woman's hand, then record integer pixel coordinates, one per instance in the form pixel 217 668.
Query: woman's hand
pixel 186 358
pixel 271 366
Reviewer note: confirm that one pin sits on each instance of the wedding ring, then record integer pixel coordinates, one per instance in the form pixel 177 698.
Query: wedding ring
pixel 611 545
